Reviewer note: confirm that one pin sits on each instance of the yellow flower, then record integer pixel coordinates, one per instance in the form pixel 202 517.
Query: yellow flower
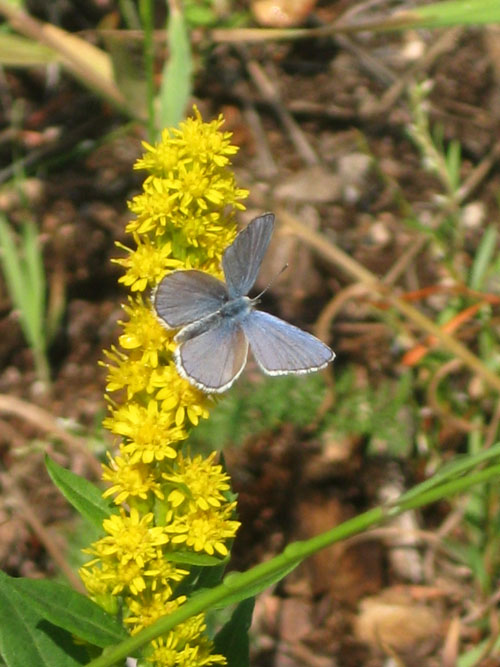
pixel 186 646
pixel 146 265
pixel 197 481
pixel 178 396
pixel 162 572
pixel 126 373
pixel 130 538
pixel 193 139
pixel 143 334
pixel 144 611
pixel 149 431
pixel 130 480
pixel 204 530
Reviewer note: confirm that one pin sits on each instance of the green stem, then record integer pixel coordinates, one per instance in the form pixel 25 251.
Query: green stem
pixel 238 585
pixel 42 367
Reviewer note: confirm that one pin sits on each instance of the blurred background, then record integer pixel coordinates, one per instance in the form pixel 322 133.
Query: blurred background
pixel 370 128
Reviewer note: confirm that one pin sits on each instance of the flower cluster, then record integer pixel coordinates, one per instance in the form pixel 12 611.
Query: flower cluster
pixel 170 501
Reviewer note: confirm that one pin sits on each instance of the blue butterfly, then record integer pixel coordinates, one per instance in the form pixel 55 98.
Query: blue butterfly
pixel 218 322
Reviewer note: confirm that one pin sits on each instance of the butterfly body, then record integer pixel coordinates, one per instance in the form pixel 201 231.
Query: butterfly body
pixel 234 310
pixel 218 322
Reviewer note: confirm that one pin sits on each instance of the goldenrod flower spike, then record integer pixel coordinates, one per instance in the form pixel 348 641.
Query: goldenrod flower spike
pixel 184 218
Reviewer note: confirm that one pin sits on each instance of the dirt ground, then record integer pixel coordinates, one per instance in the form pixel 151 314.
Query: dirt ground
pixel 323 130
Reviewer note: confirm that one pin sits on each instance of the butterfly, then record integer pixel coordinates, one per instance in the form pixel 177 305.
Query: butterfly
pixel 218 322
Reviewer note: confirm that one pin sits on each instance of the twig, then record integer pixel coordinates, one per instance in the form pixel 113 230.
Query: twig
pixel 322 327
pixel 46 422
pixel 270 93
pixel 75 57
pixel 402 262
pixel 41 531
pixel 266 164
pixel 442 45
pixel 354 270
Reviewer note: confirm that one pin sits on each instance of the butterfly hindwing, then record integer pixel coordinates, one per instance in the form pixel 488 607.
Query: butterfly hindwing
pixel 280 348
pixel 215 358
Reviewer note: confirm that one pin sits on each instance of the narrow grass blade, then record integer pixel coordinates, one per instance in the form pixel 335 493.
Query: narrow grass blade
pixel 17 51
pixel 175 87
pixel 84 60
pixel 15 277
pixel 457 12
pixel 484 257
pixel 25 278
pixel 36 284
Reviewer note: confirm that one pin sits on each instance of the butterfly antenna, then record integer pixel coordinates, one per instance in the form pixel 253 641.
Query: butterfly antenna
pixel 283 268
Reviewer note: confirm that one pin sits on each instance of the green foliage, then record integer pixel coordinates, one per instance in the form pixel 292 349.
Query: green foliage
pixel 457 12
pixel 175 89
pixel 386 415
pixel 486 260
pixel 24 274
pixel 437 158
pixel 26 638
pixel 480 549
pixel 240 586
pixel 66 609
pixel 264 406
pixel 85 497
pixel 232 640
pixel 209 13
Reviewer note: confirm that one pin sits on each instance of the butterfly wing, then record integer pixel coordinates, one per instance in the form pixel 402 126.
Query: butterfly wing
pixel 213 359
pixel 183 297
pixel 242 259
pixel 280 348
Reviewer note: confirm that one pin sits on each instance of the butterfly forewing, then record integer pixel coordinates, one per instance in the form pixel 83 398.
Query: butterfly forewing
pixel 213 360
pixel 183 297
pixel 241 261
pixel 280 348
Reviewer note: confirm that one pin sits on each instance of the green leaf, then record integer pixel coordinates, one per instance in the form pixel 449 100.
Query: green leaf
pixel 69 610
pixel 27 639
pixel 456 12
pixel 211 576
pixel 453 159
pixel 85 497
pixel 251 590
pixel 232 640
pixel 201 578
pixel 191 558
pixel 199 15
pixel 176 79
